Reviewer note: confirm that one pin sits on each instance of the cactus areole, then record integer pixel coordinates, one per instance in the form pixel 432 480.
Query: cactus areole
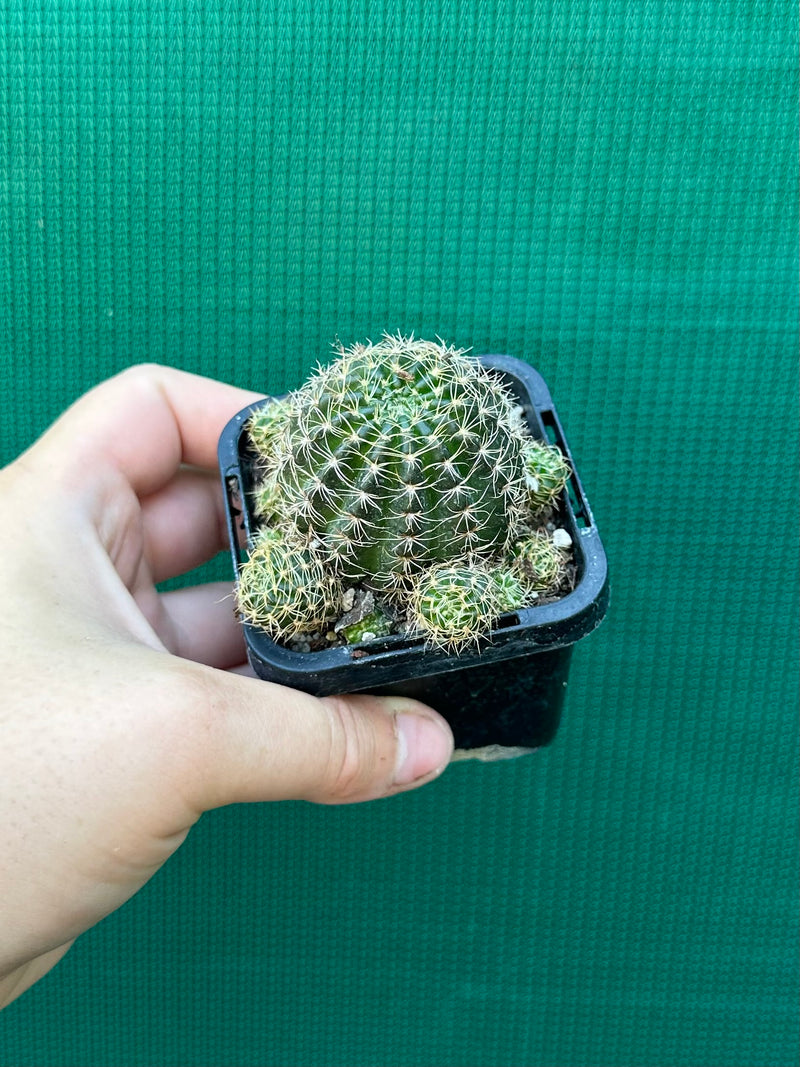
pixel 406 494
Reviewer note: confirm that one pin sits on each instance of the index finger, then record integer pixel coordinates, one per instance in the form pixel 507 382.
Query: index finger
pixel 146 422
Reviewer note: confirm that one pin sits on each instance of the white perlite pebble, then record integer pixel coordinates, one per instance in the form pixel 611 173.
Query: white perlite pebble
pixel 348 596
pixel 561 539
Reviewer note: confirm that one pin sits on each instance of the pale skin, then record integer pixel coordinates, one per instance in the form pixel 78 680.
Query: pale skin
pixel 126 713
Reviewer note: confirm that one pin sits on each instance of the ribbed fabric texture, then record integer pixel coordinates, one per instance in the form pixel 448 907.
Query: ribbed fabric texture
pixel 607 190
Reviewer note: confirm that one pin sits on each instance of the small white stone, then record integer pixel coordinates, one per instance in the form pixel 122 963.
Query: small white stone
pixel 561 539
pixel 348 596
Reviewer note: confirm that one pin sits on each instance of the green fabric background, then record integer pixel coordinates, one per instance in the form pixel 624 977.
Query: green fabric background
pixel 608 190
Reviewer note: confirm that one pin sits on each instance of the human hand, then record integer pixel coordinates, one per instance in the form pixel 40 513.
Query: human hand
pixel 122 715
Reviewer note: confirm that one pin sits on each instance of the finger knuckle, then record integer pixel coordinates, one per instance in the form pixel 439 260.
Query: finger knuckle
pixel 354 761
pixel 147 373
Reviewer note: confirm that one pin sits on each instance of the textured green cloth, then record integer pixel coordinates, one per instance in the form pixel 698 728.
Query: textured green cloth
pixel 608 190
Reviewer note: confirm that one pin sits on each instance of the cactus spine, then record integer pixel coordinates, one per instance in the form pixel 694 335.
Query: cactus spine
pixel 391 468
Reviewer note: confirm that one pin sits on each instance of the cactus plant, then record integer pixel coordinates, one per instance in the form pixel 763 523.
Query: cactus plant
pixel 285 589
pixel 452 603
pixel 539 562
pixel 407 469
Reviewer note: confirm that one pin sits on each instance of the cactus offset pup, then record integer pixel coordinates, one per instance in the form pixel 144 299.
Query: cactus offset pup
pixel 406 471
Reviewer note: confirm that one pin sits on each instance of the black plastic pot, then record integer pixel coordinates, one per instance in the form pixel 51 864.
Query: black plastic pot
pixel 509 690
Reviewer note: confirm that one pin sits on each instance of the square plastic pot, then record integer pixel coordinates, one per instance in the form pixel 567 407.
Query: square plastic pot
pixel 509 690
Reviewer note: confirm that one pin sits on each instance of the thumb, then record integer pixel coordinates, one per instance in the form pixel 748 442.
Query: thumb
pixel 262 741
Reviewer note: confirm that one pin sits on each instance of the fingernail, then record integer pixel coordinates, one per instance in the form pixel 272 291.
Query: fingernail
pixel 423 747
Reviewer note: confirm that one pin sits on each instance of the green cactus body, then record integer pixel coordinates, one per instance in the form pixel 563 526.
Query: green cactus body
pixel 454 605
pixel 539 562
pixel 546 473
pixel 284 588
pixel 398 456
pixel 268 425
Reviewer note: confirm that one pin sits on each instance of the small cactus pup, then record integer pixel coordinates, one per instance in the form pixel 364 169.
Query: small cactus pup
pixel 404 470
pixel 284 588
